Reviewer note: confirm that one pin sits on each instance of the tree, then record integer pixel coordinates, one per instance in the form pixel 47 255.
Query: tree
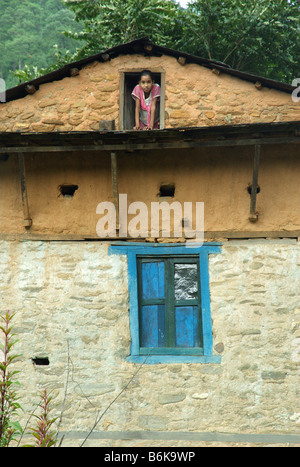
pixel 256 36
pixel 107 23
pixel 29 31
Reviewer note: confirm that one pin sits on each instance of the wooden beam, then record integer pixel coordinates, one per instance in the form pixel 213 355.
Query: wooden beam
pixel 181 60
pixel 74 72
pixel 121 100
pixel 208 235
pixel 27 222
pixel 162 103
pixel 253 215
pixel 151 145
pixel 105 57
pixel 114 177
pixel 148 48
pixel 30 89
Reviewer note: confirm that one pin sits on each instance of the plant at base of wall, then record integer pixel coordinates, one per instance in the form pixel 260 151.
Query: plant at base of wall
pixel 45 437
pixel 9 407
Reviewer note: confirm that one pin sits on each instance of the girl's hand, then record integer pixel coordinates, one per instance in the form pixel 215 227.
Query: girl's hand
pixel 149 127
pixel 136 128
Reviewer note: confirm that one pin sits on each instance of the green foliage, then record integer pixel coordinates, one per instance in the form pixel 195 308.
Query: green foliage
pixel 112 22
pixel 29 31
pixel 9 406
pixel 44 436
pixel 256 36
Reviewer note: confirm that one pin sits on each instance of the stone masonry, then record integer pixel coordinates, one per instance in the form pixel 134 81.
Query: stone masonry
pixel 195 96
pixel 71 304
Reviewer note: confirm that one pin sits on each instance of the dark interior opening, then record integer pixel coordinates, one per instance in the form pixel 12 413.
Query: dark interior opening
pixel 250 189
pixel 4 157
pixel 68 190
pixel 40 361
pixel 167 190
pixel 130 81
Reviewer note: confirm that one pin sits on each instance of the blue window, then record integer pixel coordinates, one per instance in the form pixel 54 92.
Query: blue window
pixel 169 297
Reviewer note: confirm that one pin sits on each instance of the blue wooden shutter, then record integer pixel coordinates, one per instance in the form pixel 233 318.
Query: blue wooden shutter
pixel 187 326
pixel 152 316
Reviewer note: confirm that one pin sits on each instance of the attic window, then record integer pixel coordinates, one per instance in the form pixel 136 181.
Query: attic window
pixel 68 190
pixel 127 105
pixel 167 191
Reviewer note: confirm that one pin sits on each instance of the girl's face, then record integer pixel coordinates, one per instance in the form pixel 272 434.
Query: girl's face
pixel 146 83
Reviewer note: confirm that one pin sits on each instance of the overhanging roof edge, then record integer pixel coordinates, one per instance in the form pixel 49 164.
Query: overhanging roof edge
pixel 19 91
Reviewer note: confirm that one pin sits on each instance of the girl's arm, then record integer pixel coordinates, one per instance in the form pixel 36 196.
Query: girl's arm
pixel 152 115
pixel 137 114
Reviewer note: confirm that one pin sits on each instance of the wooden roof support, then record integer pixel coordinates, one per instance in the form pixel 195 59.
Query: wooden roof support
pixel 30 89
pixel 181 60
pixel 105 57
pixel 27 222
pixel 253 215
pixel 114 177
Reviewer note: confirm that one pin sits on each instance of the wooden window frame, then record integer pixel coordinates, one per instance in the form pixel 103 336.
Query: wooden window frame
pixel 122 99
pixel 169 303
pixel 136 250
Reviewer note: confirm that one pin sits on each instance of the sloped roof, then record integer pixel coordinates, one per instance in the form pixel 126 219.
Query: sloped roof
pixel 146 46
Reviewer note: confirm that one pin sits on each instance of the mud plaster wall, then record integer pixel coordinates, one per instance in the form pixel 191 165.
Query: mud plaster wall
pixel 195 96
pixel 71 304
pixel 218 177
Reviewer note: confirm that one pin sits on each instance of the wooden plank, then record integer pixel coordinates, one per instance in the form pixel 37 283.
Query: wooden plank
pixel 162 100
pixel 148 146
pixel 121 101
pixel 253 216
pixel 170 302
pixel 27 222
pixel 114 176
pixel 153 280
pixel 153 326
pixel 209 235
pixel 187 326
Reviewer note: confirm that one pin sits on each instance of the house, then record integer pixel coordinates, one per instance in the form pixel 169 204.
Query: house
pixel 195 338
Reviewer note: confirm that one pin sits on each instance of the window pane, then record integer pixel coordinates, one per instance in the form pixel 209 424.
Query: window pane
pixel 153 326
pixel 153 280
pixel 187 329
pixel 185 281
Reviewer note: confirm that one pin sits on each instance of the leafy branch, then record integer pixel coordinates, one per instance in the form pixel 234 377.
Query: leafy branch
pixel 45 436
pixel 9 407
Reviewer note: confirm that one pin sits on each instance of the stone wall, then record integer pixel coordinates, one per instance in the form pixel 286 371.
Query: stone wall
pixel 195 96
pixel 71 304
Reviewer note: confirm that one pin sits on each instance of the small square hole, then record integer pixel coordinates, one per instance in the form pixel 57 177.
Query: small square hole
pixel 167 191
pixel 68 190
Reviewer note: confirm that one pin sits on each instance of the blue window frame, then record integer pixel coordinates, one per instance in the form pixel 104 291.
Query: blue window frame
pixel 169 298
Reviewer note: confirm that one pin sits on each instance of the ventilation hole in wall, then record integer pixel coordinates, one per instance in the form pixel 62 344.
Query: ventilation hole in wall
pixel 68 190
pixel 4 157
pixel 249 188
pixel 42 361
pixel 167 190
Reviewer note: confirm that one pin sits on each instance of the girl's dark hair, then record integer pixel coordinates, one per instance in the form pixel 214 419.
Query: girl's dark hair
pixel 147 73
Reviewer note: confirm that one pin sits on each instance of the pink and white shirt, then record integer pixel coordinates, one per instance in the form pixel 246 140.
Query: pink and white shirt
pixel 145 111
